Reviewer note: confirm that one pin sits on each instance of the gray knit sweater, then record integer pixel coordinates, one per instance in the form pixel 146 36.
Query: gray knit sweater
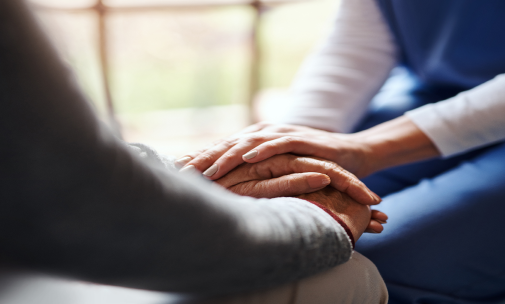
pixel 76 201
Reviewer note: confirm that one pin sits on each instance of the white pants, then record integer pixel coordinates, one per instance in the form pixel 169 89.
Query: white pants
pixel 356 281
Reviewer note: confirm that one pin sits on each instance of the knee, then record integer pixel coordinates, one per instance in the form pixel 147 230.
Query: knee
pixel 357 281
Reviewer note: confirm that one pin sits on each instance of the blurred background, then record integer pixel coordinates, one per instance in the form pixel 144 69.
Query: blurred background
pixel 179 74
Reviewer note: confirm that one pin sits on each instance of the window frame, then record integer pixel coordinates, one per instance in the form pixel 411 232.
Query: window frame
pixel 103 10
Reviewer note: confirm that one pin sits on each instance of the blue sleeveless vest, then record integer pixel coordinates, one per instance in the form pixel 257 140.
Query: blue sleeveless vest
pixel 449 44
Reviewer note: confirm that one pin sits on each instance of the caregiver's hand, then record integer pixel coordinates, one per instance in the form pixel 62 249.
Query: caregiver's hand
pixel 393 143
pixel 286 175
pixel 261 141
pixel 290 175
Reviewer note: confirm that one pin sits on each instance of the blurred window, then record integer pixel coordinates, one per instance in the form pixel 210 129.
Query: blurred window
pixel 177 74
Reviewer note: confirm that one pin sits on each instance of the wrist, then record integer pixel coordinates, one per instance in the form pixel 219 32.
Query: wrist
pixel 359 157
pixel 351 233
pixel 377 150
pixel 395 143
pixel 355 215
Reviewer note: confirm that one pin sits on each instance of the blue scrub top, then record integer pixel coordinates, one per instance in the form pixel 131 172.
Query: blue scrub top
pixel 449 44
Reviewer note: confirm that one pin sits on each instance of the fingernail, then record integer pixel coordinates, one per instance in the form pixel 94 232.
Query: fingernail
pixel 183 161
pixel 250 155
pixel 188 169
pixel 374 197
pixel 319 181
pixel 212 170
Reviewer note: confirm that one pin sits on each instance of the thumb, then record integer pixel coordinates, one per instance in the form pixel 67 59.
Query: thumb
pixel 289 185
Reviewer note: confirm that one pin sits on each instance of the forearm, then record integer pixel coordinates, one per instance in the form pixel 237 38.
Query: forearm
pixel 467 121
pixel 394 143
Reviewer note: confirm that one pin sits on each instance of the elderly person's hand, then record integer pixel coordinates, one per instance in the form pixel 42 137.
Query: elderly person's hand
pixel 358 217
pixel 290 175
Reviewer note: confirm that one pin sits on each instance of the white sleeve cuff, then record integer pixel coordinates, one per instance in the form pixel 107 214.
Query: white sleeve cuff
pixel 470 120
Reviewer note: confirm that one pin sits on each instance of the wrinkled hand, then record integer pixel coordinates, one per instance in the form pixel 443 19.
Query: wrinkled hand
pixel 290 175
pixel 262 141
pixel 358 217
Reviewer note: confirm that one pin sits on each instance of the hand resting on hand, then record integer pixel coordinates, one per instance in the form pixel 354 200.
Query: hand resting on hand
pixel 290 175
pixel 220 158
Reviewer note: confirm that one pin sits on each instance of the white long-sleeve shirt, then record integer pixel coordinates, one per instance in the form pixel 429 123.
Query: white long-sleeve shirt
pixel 336 84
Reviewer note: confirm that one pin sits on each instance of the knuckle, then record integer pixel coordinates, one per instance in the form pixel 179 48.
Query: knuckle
pixel 259 170
pixel 195 154
pixel 239 189
pixel 288 184
pixel 346 179
pixel 285 186
pixel 351 178
pixel 229 141
pixel 345 184
pixel 328 166
pixel 206 157
pixel 283 128
pixel 252 189
pixel 285 141
pixel 291 140
pixel 254 138
pixel 228 156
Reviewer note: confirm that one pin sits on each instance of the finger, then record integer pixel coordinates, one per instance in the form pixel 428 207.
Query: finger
pixel 286 164
pixel 380 217
pixel 348 183
pixel 184 160
pixel 274 167
pixel 181 162
pixel 341 179
pixel 233 157
pixel 288 185
pixel 283 145
pixel 205 159
pixel 374 227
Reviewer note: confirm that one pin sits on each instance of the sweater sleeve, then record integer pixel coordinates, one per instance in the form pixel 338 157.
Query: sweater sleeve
pixel 472 119
pixel 76 201
pixel 336 83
